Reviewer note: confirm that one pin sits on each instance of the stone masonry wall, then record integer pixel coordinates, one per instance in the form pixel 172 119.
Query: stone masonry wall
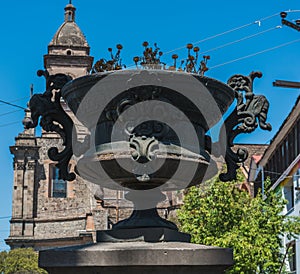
pixel 59 229
pixel 61 217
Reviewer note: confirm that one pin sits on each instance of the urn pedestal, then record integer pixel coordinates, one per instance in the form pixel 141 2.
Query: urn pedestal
pixel 137 257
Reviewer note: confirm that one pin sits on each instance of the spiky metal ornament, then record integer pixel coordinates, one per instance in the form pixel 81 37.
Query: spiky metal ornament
pixel 115 63
pixel 151 59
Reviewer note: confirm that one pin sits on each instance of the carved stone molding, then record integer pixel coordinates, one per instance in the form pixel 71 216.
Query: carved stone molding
pixel 31 166
pixel 19 166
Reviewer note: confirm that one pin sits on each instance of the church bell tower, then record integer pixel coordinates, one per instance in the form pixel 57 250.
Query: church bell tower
pixel 48 211
pixel 68 51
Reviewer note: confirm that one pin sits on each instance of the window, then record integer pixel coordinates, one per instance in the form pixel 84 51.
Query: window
pixel 296 149
pixel 297 177
pixel 289 195
pixel 286 152
pixel 58 187
pixel 291 145
pixel 297 185
pixel 282 150
pixel 298 136
pixel 278 162
pixel 292 256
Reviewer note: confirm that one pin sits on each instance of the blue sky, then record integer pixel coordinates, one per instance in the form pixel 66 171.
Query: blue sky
pixel 28 26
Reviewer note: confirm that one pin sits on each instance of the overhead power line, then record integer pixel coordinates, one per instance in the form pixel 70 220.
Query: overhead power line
pixel 10 112
pixel 254 54
pixel 17 100
pixel 242 39
pixel 9 124
pixel 290 11
pixel 10 104
pixel 226 32
pixel 258 22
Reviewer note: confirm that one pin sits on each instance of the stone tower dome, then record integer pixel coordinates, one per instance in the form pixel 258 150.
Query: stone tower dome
pixel 69 34
pixel 68 51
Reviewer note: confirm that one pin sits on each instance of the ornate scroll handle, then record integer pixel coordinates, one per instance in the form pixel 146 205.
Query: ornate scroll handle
pixel 251 110
pixel 53 118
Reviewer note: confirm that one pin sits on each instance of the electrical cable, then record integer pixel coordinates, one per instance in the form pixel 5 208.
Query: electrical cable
pixel 226 32
pixel 10 104
pixel 222 33
pixel 17 100
pixel 276 173
pixel 229 31
pixel 254 54
pixel 9 124
pixel 10 112
pixel 291 11
pixel 240 40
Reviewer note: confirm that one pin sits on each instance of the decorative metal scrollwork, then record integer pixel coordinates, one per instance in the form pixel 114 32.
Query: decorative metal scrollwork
pixel 251 111
pixel 143 148
pixel 54 118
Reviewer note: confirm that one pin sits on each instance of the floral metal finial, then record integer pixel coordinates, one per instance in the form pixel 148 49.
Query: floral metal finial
pixel 191 63
pixel 115 63
pixel 150 58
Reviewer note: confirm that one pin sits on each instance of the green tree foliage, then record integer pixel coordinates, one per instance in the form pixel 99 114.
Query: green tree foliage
pixel 3 256
pixel 220 214
pixel 20 261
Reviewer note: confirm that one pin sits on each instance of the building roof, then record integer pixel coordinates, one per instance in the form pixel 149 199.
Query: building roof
pixel 255 151
pixel 287 172
pixel 284 129
pixel 69 34
pixel 256 158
